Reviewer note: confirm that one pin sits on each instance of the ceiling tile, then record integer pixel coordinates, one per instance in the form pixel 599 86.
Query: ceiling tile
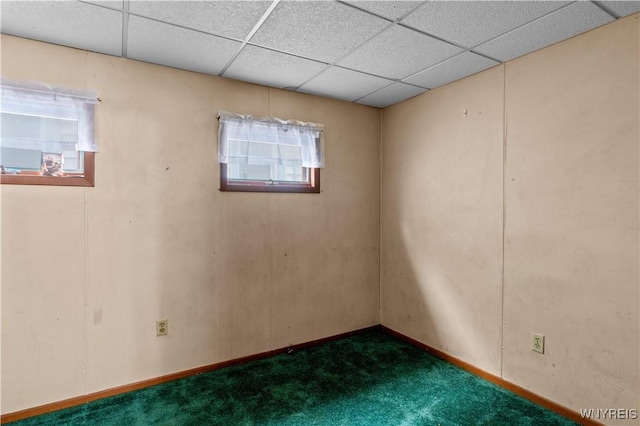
pixel 562 24
pixel 458 67
pixel 275 69
pixel 398 53
pixel 469 23
pixel 74 24
pixel 319 30
pixel 344 84
pixel 397 92
pixel 225 18
pixel 164 44
pixel 622 8
pixel 114 4
pixel 388 9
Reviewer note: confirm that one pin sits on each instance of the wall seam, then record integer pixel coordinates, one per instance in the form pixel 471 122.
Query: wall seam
pixel 85 257
pixel 380 220
pixel 270 282
pixel 1 275
pixel 85 265
pixel 504 213
pixel 270 234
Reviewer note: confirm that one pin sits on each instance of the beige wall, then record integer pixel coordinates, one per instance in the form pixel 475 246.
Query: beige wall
pixel 87 271
pixel 568 119
pixel 442 218
pixel 572 246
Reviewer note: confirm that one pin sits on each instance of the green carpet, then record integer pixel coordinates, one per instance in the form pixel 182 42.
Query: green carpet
pixel 366 379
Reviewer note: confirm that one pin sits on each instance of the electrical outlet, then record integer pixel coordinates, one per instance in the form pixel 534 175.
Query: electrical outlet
pixel 162 327
pixel 537 342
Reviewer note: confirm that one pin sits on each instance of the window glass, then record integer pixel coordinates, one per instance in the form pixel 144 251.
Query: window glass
pixel 25 138
pixel 46 132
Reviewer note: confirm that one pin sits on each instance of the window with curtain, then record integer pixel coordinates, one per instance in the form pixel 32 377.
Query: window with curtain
pixel 269 154
pixel 46 134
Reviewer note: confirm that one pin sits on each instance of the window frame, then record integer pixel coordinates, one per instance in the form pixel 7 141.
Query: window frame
pixel 236 185
pixel 239 127
pixel 87 178
pixel 32 98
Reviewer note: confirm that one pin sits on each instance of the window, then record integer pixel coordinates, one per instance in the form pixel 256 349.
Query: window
pixel 46 135
pixel 269 154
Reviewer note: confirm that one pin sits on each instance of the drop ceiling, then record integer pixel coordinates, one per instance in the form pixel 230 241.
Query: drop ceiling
pixel 374 53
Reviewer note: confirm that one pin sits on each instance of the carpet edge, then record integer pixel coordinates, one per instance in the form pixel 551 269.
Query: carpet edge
pixel 511 387
pixel 84 399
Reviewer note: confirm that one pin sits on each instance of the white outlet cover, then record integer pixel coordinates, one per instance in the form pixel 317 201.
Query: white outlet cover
pixel 162 327
pixel 537 342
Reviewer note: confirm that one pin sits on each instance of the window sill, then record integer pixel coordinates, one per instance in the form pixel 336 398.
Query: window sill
pixel 313 187
pixel 71 179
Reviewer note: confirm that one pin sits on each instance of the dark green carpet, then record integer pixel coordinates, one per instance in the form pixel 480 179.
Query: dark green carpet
pixel 367 379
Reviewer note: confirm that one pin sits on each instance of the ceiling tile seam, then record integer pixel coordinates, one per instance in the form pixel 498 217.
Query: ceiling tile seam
pixel 126 10
pixel 284 52
pixel 388 85
pixel 375 91
pixel 602 5
pixel 444 40
pixel 396 20
pixel 329 66
pixel 472 48
pixel 390 80
pixel 125 28
pixel 402 80
pixel 322 71
pixel 261 21
pixel 359 9
pixel 459 46
pixel 413 84
pixel 405 26
pixel 438 64
pixel 391 25
pixel 484 55
pixel 249 36
pixel 102 5
pixel 457 79
pixel 137 15
pixel 523 25
pixel 412 11
pixel 383 30
pixel 395 80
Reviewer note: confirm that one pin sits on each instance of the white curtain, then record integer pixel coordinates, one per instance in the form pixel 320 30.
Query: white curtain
pixel 251 131
pixel 42 100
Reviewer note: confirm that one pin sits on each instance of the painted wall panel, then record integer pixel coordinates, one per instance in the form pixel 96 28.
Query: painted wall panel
pixel 156 239
pixel 245 303
pixel 42 266
pixel 571 242
pixel 442 218
pixel 319 269
pixel 154 225
pixel 43 250
pixel 571 255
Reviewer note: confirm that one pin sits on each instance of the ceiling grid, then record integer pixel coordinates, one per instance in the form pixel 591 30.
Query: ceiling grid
pixel 374 53
pixel 125 26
